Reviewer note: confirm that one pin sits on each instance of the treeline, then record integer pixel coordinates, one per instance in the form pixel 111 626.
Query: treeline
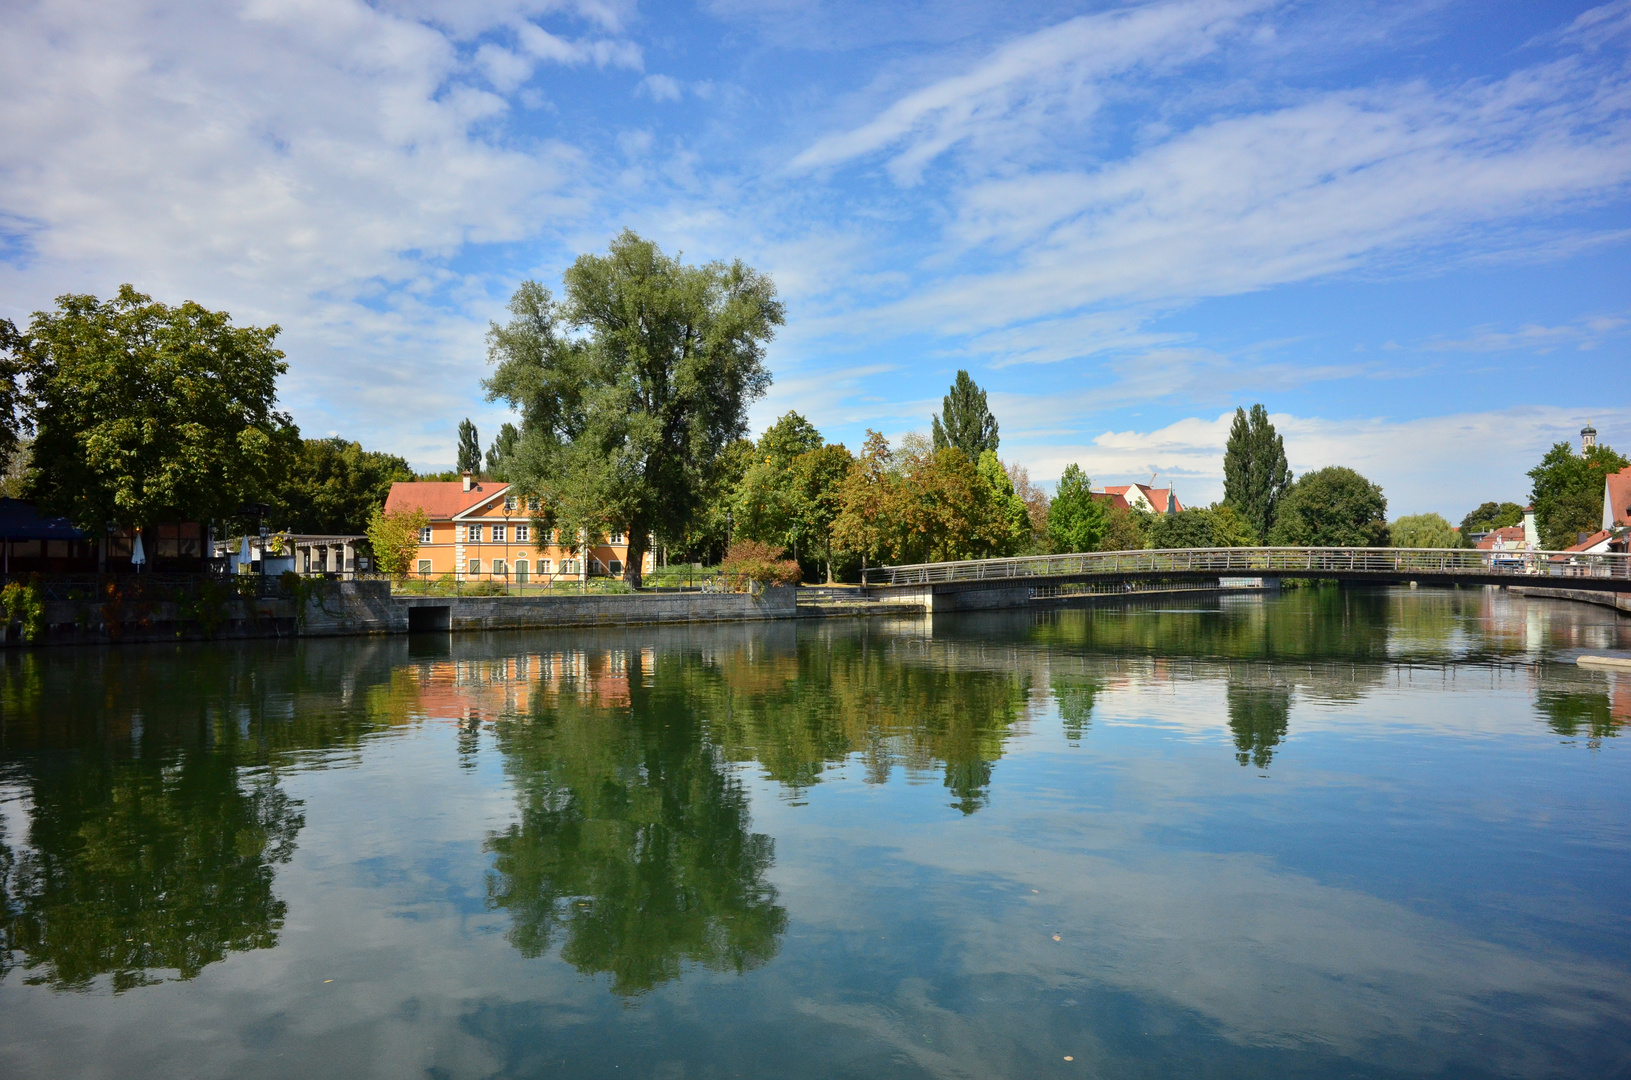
pixel 127 412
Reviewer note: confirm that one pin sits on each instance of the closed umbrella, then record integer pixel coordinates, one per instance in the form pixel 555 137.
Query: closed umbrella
pixel 137 555
pixel 243 553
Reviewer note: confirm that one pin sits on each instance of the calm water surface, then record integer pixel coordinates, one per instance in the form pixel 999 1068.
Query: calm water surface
pixel 1329 834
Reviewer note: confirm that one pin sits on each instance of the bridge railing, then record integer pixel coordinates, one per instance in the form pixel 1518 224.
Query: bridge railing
pixel 1251 562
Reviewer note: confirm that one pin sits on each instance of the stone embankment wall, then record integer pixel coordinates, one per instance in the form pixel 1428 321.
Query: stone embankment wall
pixel 629 609
pixel 1618 601
pixel 331 608
pixel 353 608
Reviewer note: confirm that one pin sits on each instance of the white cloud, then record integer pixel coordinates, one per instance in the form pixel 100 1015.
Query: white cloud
pixel 1446 464
pixel 660 87
pixel 1032 78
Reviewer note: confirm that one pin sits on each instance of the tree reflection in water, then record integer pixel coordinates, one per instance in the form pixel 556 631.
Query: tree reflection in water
pixel 1259 717
pixel 633 843
pixel 144 865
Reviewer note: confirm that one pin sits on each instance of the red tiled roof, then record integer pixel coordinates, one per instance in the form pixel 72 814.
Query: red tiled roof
pixel 1591 541
pixel 440 499
pixel 1618 493
pixel 1157 496
pixel 1512 534
pixel 1114 498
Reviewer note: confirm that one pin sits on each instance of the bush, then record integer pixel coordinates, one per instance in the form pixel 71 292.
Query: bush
pixel 760 564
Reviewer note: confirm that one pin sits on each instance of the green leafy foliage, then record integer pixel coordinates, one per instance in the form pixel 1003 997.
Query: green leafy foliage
pixel 1568 492
pixel 1332 507
pixel 623 427
pixel 1255 474
pixel 1009 505
pixel 1216 526
pixel 394 535
pixel 498 454
pixel 145 412
pixel 1125 528
pixel 919 504
pixel 24 604
pixel 965 422
pixel 1490 516
pixel 334 486
pixel 469 448
pixel 1423 531
pixel 13 419
pixel 1076 520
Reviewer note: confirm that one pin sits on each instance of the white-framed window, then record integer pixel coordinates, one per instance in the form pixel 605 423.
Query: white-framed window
pixel 472 534
pixel 424 535
pixel 617 538
pixel 523 533
pixel 614 567
pixel 498 568
pixel 472 567
pixel 532 503
pixel 509 504
pixel 498 534
pixel 543 566
pixel 424 566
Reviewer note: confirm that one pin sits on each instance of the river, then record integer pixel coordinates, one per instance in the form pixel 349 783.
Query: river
pixel 1325 833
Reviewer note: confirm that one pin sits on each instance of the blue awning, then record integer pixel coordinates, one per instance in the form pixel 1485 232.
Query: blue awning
pixel 19 521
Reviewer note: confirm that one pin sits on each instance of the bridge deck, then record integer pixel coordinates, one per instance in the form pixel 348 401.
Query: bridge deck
pixel 1610 572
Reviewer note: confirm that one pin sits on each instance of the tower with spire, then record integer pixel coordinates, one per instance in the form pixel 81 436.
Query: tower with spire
pixel 1588 438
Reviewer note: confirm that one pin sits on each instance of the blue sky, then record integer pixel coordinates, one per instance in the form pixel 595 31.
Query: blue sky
pixel 1401 226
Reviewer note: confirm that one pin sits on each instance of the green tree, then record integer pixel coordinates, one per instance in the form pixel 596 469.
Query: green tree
pixel 145 412
pixel 817 479
pixel 623 426
pixel 1332 507
pixel 1010 506
pixel 964 421
pixel 1076 520
pixel 867 499
pixel 334 486
pixel 1568 492
pixel 13 421
pixel 766 504
pixel 469 447
pixel 1423 531
pixel 394 536
pixel 498 454
pixel 1125 528
pixel 1490 516
pixel 1216 526
pixel 1255 474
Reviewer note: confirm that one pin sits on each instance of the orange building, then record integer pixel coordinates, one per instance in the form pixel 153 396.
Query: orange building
pixel 482 531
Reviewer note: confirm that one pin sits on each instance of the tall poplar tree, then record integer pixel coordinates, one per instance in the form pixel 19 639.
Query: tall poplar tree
pixel 1255 474
pixel 964 421
pixel 469 447
pixel 625 421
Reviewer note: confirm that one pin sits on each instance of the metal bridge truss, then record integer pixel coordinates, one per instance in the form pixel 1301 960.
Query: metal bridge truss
pixel 1436 565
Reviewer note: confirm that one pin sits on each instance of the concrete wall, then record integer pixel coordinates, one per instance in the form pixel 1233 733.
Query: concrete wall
pixel 528 612
pixel 1618 601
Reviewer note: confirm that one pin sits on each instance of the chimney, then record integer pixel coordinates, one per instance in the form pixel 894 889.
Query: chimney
pixel 1531 535
pixel 467 480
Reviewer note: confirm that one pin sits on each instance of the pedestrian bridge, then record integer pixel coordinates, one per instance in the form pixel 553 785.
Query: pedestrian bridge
pixel 1010 582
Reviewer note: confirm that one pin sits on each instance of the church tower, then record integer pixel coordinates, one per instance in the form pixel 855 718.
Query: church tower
pixel 1588 438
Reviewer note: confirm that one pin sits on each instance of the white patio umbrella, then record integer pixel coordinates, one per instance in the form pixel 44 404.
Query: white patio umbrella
pixel 137 555
pixel 244 557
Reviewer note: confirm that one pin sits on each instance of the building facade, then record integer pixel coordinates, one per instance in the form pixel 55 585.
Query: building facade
pixel 481 531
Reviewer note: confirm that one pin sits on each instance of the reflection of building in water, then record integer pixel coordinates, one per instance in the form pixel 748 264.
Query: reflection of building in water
pixel 511 686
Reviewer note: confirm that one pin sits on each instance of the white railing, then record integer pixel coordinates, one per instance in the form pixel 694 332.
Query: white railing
pixel 1382 562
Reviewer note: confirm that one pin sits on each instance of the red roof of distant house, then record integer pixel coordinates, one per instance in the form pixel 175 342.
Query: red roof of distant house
pixel 1111 497
pixel 1512 534
pixel 1591 541
pixel 1157 496
pixel 1619 496
pixel 440 499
